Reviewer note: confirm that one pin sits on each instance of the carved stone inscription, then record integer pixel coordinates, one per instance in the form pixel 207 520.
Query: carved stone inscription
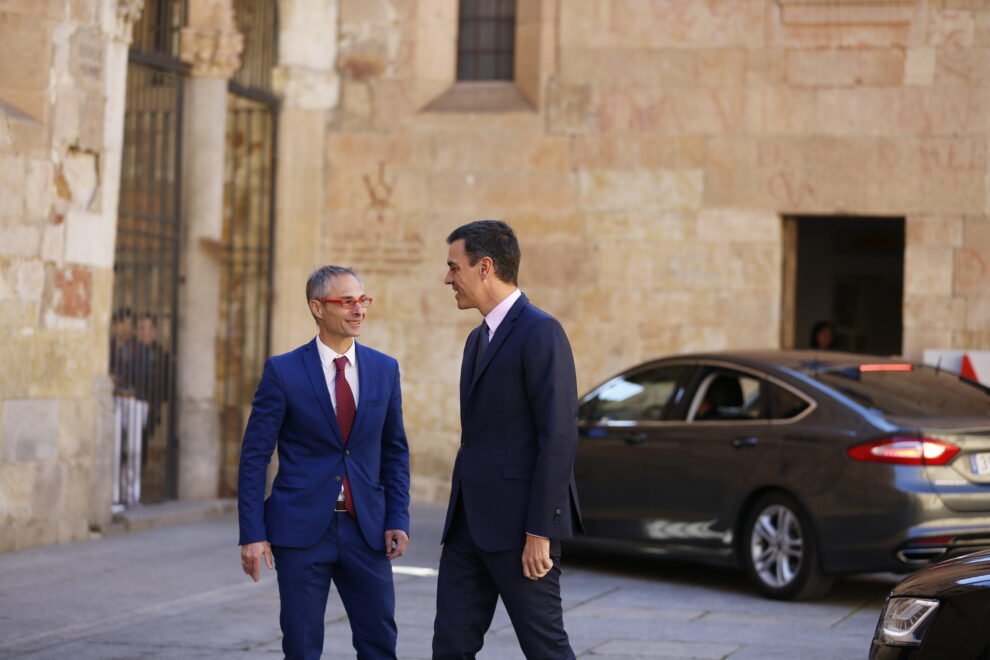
pixel 385 241
pixel 86 59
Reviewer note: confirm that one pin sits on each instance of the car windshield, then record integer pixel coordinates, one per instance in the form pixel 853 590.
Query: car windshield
pixel 908 390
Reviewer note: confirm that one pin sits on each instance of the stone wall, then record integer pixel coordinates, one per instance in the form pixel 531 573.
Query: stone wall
pixel 648 181
pixel 59 143
pixel 647 154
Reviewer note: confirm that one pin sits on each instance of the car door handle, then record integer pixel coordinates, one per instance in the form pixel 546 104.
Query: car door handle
pixel 635 438
pixel 743 441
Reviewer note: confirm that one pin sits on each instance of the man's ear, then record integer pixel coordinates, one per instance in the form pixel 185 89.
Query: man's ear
pixel 315 309
pixel 486 268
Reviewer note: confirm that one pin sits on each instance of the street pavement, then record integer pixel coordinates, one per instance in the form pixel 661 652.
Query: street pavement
pixel 178 592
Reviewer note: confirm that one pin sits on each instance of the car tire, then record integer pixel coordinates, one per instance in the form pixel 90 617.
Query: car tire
pixel 780 551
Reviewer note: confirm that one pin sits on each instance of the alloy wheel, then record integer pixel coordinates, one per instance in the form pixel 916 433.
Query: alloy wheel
pixel 777 546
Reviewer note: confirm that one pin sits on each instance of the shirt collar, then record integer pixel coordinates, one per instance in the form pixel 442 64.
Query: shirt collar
pixel 328 355
pixel 495 317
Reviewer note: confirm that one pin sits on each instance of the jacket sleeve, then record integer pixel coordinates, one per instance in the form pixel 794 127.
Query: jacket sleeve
pixel 551 389
pixel 260 436
pixel 395 461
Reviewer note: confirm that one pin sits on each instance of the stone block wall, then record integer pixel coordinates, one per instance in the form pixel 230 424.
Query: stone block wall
pixel 666 142
pixel 58 190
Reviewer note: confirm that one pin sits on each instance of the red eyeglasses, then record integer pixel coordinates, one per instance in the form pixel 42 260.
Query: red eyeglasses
pixel 347 303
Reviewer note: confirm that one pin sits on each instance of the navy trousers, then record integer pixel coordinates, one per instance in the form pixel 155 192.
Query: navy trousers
pixel 364 580
pixel 469 586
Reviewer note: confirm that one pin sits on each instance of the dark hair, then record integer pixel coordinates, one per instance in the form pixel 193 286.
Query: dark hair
pixel 317 284
pixel 818 327
pixel 122 314
pixel 493 239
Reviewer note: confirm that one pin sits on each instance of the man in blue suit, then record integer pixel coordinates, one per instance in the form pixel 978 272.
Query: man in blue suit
pixel 513 496
pixel 339 506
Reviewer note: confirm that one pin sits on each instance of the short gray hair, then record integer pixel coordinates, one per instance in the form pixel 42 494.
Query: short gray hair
pixel 318 283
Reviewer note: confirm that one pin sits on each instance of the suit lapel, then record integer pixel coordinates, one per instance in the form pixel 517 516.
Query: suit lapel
pixel 503 330
pixel 314 369
pixel 467 366
pixel 366 383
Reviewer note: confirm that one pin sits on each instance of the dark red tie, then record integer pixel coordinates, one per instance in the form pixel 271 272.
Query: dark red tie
pixel 345 418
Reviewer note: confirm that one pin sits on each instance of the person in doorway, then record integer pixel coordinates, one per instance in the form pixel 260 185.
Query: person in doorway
pixel 513 496
pixel 339 506
pixel 151 375
pixel 122 349
pixel 823 336
pixel 130 411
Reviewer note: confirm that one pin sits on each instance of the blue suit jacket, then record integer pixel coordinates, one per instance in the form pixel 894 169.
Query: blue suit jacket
pixel 292 409
pixel 514 471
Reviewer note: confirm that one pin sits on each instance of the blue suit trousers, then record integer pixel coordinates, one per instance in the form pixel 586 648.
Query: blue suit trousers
pixel 363 578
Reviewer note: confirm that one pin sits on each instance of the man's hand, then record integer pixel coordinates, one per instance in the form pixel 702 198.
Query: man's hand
pixel 395 543
pixel 536 560
pixel 251 554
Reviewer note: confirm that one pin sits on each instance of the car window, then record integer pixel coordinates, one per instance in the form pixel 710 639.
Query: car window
pixel 637 397
pixel 727 395
pixel 783 403
pixel 909 390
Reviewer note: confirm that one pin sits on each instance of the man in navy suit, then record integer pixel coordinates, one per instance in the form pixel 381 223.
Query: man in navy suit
pixel 513 496
pixel 339 506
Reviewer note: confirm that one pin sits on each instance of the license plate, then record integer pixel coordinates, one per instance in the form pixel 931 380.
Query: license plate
pixel 980 463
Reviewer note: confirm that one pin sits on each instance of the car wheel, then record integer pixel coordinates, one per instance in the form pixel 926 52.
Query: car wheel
pixel 780 550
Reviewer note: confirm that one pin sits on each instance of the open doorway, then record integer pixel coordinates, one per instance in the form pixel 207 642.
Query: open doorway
pixel 848 272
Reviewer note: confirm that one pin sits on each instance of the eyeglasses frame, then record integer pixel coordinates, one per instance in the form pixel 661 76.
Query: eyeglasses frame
pixel 348 303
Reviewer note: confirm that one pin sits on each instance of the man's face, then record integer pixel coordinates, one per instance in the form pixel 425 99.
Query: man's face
pixel 147 333
pixel 123 329
pixel 462 277
pixel 335 320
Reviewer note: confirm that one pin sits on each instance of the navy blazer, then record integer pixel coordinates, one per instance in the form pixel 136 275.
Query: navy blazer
pixel 514 471
pixel 293 411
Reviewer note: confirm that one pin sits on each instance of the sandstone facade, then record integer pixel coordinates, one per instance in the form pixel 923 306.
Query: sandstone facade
pixel 61 64
pixel 648 180
pixel 647 153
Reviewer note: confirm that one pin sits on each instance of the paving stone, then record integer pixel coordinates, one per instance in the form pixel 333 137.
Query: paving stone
pixel 178 592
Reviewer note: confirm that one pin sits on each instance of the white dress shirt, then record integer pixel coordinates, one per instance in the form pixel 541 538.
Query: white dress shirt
pixel 327 356
pixel 495 317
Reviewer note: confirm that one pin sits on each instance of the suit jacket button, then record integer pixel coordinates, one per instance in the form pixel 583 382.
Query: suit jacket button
pixel 336 478
pixel 557 511
pixel 347 452
pixel 462 444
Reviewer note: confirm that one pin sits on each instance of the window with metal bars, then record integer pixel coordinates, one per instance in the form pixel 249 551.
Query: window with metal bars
pixel 486 40
pixel 156 34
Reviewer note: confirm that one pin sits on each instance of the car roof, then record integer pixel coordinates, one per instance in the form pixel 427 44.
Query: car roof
pixel 804 361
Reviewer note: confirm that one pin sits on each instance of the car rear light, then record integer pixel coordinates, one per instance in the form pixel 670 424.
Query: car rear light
pixel 905 450
pixel 865 368
pixel 936 540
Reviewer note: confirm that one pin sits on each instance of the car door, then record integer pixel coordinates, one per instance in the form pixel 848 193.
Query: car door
pixel 710 452
pixel 620 439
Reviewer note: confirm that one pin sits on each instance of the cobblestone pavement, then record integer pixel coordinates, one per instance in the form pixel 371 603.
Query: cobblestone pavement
pixel 178 592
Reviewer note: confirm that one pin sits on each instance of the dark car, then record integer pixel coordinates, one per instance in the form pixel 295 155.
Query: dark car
pixel 938 613
pixel 795 465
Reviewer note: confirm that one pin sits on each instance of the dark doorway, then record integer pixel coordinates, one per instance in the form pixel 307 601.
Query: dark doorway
pixel 850 273
pixel 146 266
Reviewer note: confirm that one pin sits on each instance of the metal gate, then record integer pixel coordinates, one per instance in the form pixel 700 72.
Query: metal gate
pixel 143 333
pixel 249 209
